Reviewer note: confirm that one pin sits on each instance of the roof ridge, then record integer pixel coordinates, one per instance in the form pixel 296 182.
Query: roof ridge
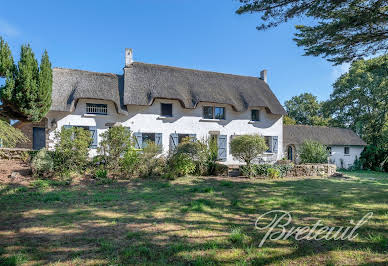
pixel 87 71
pixel 300 125
pixel 198 70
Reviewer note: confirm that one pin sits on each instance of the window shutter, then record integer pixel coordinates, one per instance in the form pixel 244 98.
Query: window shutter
pixel 193 137
pixel 93 131
pixel 173 141
pixel 138 140
pixel 275 144
pixel 222 147
pixel 158 140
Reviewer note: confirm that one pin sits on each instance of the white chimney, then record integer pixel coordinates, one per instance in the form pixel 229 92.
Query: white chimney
pixel 263 75
pixel 128 57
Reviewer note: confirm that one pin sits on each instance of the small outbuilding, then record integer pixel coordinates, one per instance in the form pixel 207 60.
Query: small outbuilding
pixel 344 145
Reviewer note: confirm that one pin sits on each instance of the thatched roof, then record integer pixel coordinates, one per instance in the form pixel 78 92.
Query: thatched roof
pixel 70 85
pixel 145 82
pixel 142 83
pixel 331 136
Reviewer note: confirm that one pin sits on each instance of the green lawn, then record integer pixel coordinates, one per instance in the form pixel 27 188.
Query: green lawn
pixel 198 221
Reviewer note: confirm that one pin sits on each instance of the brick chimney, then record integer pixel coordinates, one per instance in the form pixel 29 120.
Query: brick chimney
pixel 263 75
pixel 128 57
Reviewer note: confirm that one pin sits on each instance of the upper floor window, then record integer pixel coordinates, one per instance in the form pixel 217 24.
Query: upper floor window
pixel 211 112
pixel 346 150
pixel 255 115
pixel 96 108
pixel 166 109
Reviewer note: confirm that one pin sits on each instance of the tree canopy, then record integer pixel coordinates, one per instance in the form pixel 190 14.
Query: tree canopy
pixel 305 109
pixel 360 100
pixel 26 95
pixel 341 31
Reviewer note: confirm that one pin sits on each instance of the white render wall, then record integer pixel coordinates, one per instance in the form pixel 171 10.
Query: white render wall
pixel 337 154
pixel 147 119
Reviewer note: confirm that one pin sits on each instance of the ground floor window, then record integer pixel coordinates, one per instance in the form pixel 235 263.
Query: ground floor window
pixel 93 133
pixel 141 139
pixel 328 150
pixel 268 142
pixel 183 137
pixel 177 138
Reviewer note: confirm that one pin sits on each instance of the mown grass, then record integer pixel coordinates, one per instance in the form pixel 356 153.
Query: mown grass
pixel 198 221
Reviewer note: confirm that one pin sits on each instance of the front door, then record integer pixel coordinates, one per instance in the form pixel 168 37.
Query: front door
pixel 39 138
pixel 290 153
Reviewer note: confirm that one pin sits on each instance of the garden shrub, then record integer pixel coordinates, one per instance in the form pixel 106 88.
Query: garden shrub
pixel 247 148
pixel 273 173
pixel 313 152
pixel 42 165
pixel 151 164
pixel 181 164
pixel 72 149
pixel 114 143
pixel 130 162
pixel 101 176
pixel 210 149
pixel 203 155
pixel 221 170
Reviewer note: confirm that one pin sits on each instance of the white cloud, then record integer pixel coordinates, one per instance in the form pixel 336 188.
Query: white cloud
pixel 8 29
pixel 339 70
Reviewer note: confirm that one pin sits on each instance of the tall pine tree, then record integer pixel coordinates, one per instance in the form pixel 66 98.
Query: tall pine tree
pixel 26 95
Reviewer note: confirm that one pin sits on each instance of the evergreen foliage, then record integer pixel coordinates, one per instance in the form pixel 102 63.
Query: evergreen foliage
pixel 26 94
pixel 343 31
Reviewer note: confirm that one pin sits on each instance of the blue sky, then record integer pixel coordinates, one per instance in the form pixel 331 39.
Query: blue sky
pixel 200 34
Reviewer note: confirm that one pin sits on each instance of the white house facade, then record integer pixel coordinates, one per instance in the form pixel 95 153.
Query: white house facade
pixel 166 104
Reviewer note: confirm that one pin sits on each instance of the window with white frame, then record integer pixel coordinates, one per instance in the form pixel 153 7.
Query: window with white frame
pixel 346 150
pixel 97 108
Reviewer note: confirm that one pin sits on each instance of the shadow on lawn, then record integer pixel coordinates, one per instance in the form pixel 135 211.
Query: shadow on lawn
pixel 144 221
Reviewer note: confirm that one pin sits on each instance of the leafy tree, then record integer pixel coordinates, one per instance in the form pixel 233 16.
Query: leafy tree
pixel 360 100
pixel 247 148
pixel 288 120
pixel 26 95
pixel 10 136
pixel 342 31
pixel 313 152
pixel 306 110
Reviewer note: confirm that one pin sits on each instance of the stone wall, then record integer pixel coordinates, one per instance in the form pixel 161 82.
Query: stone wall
pixel 312 170
pixel 27 129
pixel 14 153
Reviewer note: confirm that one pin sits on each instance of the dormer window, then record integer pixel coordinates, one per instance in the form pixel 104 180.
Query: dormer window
pixel 96 108
pixel 211 112
pixel 255 115
pixel 166 109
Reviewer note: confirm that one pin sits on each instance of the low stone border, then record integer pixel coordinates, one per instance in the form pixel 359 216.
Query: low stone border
pixel 14 153
pixel 311 169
